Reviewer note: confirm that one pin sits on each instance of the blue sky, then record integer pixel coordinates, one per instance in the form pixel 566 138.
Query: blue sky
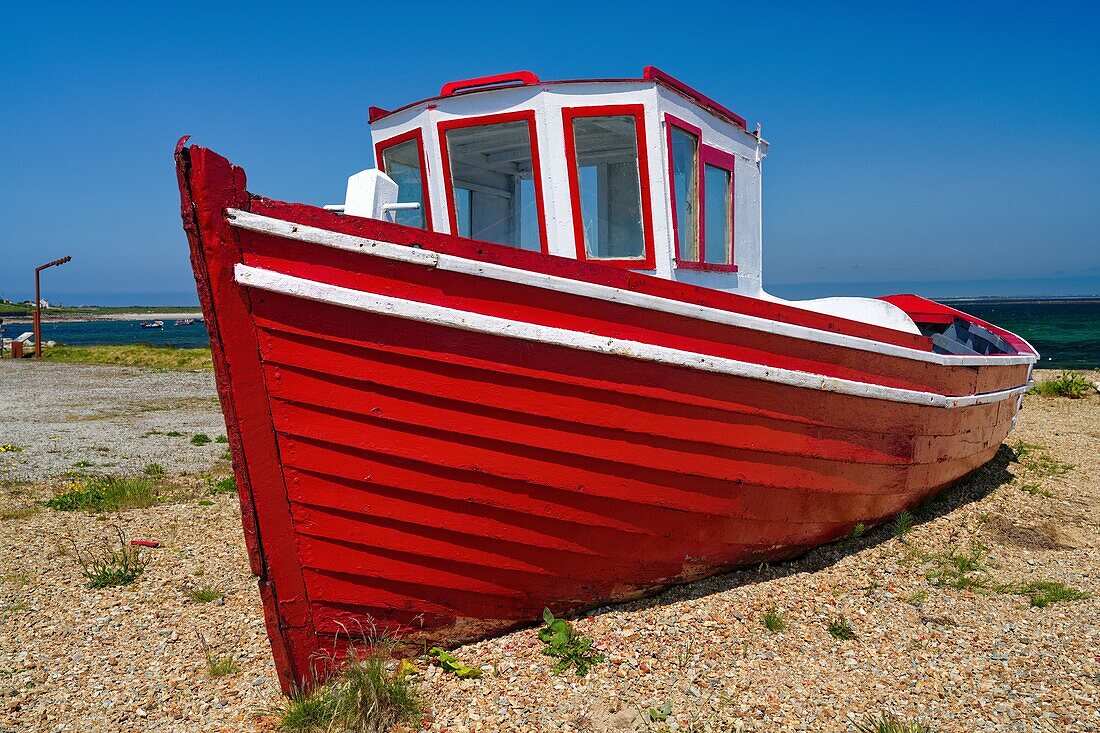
pixel 952 148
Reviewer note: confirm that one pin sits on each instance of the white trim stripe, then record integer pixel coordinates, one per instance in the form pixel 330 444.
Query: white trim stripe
pixel 320 292
pixel 314 235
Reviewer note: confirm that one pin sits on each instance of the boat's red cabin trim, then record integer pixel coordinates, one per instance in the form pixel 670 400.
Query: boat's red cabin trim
pixel 652 73
pixel 637 112
pixel 527 116
pixel 704 155
pixel 526 78
pixel 380 161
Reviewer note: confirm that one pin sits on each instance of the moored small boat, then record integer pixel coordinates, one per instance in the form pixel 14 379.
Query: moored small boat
pixel 530 363
pixel 152 324
pixel 185 322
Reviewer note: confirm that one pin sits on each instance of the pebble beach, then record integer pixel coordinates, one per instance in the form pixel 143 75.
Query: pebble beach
pixel 961 647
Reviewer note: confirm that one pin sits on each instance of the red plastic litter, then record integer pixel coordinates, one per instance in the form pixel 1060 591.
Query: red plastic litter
pixel 145 543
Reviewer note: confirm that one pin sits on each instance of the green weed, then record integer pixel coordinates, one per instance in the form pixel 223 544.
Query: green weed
pixel 1036 458
pixel 1035 489
pixel 572 649
pixel 960 569
pixel 217 665
pixel 227 485
pixel 839 628
pixel 660 714
pixel 155 470
pixel 902 524
pixel 204 595
pixel 111 565
pixel 368 695
pixel 200 439
pixel 450 663
pixel 1042 593
pixel 774 621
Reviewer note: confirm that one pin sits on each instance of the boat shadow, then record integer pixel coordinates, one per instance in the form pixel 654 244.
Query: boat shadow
pixel 973 487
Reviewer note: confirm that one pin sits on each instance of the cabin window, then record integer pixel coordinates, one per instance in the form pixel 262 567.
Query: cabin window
pixel 684 169
pixel 719 217
pixel 609 188
pixel 402 159
pixel 493 180
pixel 702 186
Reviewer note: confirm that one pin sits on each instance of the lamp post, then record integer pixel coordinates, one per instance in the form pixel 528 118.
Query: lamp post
pixel 38 304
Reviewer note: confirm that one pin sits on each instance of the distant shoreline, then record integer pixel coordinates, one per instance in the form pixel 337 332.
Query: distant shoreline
pixel 139 315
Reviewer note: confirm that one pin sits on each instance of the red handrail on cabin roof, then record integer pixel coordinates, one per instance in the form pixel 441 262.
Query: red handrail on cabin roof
pixel 527 78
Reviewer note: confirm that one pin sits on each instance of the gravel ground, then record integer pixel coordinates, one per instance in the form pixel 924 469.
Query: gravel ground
pixel 74 659
pixel 105 418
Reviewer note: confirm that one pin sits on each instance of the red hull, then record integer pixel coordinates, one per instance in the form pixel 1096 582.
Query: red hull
pixel 448 481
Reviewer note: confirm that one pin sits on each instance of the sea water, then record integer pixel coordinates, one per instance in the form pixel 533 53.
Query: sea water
pixel 99 333
pixel 1065 332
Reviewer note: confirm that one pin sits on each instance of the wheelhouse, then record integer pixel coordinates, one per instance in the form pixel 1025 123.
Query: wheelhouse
pixel 645 174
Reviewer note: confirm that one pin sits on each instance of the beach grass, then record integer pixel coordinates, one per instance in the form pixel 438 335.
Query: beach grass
pixel 141 355
pixel 1071 384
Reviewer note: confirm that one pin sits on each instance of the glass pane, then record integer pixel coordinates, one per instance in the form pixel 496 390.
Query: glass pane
pixel 611 200
pixel 718 218
pixel 494 185
pixel 685 177
pixel 402 163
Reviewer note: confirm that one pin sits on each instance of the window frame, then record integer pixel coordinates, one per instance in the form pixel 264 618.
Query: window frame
pixel 648 261
pixel 527 116
pixel 416 134
pixel 706 155
pixel 671 122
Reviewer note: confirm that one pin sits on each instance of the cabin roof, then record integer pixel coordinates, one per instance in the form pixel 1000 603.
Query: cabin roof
pixel 510 80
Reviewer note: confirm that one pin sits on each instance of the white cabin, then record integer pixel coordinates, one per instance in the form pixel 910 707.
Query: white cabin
pixel 646 174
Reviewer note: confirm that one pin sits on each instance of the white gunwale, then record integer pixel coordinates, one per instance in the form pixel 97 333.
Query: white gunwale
pixel 428 258
pixel 313 290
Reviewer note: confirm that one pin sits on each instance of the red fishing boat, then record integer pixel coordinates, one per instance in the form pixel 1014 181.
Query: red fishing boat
pixel 530 363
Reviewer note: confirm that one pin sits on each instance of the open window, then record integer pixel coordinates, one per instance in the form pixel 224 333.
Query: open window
pixel 402 159
pixel 701 179
pixel 493 181
pixel 605 149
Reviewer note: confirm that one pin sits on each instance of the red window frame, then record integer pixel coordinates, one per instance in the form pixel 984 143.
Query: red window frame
pixel 671 122
pixel 527 116
pixel 637 111
pixel 706 155
pixel 380 161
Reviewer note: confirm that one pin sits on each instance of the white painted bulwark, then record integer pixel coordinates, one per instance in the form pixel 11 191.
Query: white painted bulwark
pixel 297 287
pixel 474 268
